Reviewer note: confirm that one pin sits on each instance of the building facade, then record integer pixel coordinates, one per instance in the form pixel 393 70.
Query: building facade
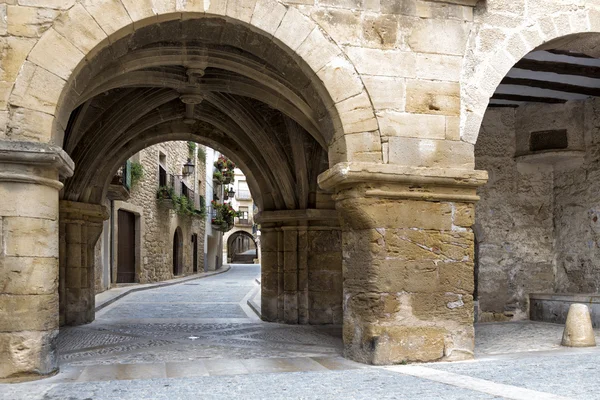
pixel 359 127
pixel 239 244
pixel 146 238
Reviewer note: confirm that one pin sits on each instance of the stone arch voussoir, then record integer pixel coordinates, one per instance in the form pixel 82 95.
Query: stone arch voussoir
pixel 492 65
pixel 42 87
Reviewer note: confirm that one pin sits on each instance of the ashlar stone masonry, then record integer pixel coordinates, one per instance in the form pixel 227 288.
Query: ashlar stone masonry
pixel 367 110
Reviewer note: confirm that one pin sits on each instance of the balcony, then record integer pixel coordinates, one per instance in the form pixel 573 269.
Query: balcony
pixel 242 194
pixel 172 187
pixel 120 185
pixel 244 221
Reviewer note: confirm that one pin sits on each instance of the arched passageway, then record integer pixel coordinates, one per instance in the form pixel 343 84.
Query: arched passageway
pixel 241 248
pixel 217 82
pixel 537 223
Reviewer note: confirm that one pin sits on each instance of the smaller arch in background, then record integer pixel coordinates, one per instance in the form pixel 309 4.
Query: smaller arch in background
pixel 239 247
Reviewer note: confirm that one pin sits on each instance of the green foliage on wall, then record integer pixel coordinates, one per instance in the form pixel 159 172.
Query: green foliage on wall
pixel 137 173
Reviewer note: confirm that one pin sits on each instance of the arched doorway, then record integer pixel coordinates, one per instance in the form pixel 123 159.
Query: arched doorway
pixel 177 252
pixel 241 248
pixel 195 252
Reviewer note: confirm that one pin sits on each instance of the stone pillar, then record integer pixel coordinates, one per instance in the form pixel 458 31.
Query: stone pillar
pixel 407 259
pixel 269 269
pixel 81 225
pixel 294 277
pixel 29 187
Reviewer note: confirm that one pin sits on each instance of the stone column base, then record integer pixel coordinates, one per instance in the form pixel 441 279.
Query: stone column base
pixel 408 261
pixel 301 266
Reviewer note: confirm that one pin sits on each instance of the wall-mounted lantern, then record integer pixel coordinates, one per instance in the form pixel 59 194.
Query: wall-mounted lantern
pixel 188 167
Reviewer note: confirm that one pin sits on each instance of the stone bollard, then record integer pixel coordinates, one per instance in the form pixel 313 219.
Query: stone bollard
pixel 578 328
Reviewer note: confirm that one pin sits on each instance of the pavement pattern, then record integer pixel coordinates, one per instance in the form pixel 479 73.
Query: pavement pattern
pixel 200 339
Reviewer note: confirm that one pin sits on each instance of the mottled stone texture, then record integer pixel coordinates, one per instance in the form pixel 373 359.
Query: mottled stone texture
pixel 29 253
pixel 301 272
pixel 514 225
pixel 80 228
pixel 537 222
pixel 408 279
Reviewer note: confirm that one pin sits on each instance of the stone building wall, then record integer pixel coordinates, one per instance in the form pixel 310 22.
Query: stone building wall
pixel 514 222
pixel 577 213
pixel 537 228
pixel 160 222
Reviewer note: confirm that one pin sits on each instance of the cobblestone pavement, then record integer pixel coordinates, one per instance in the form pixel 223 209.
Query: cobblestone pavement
pixel 199 339
pixel 196 320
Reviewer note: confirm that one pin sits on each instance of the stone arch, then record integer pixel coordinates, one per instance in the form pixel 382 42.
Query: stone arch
pixel 233 236
pixel 484 68
pixel 46 88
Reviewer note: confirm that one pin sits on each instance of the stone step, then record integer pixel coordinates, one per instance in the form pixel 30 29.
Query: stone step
pixel 212 367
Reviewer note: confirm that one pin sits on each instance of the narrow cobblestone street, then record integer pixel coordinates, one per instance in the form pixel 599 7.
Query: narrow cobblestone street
pixel 199 339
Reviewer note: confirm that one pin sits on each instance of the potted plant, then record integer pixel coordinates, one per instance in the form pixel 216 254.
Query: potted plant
pixel 165 196
pixel 218 176
pixel 228 176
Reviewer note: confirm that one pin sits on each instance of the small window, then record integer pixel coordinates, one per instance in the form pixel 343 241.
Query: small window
pixel 548 140
pixel 162 169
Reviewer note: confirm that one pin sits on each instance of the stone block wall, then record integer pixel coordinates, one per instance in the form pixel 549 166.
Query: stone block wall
pixel 159 222
pixel 514 222
pixel 537 228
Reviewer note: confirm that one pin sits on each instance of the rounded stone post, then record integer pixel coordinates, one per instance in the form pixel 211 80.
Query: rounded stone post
pixel 407 250
pixel 578 328
pixel 29 247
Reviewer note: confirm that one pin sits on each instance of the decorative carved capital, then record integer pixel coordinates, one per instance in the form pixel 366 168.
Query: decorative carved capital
pixel 27 158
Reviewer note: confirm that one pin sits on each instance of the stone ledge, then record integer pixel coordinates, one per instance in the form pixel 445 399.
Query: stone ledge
pixel 30 153
pixel 76 211
pixel 264 217
pixel 396 181
pixel 553 308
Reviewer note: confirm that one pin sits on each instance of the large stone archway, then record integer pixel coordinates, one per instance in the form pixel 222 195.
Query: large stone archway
pixel 45 83
pixel 287 91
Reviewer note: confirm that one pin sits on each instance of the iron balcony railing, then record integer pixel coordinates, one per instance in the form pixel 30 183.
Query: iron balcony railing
pixel 180 188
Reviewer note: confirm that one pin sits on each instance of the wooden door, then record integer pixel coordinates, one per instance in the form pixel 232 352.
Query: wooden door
pixel 195 252
pixel 176 253
pixel 126 248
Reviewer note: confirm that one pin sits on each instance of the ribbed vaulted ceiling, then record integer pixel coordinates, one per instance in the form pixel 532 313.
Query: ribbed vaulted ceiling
pixel 206 80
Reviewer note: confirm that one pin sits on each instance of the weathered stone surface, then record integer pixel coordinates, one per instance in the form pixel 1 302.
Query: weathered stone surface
pixel 430 153
pixel 17 315
pixel 30 237
pixel 36 89
pixel 578 328
pixel 29 21
pixel 28 355
pixel 28 275
pixel 14 53
pixel 428 97
pixel 439 36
